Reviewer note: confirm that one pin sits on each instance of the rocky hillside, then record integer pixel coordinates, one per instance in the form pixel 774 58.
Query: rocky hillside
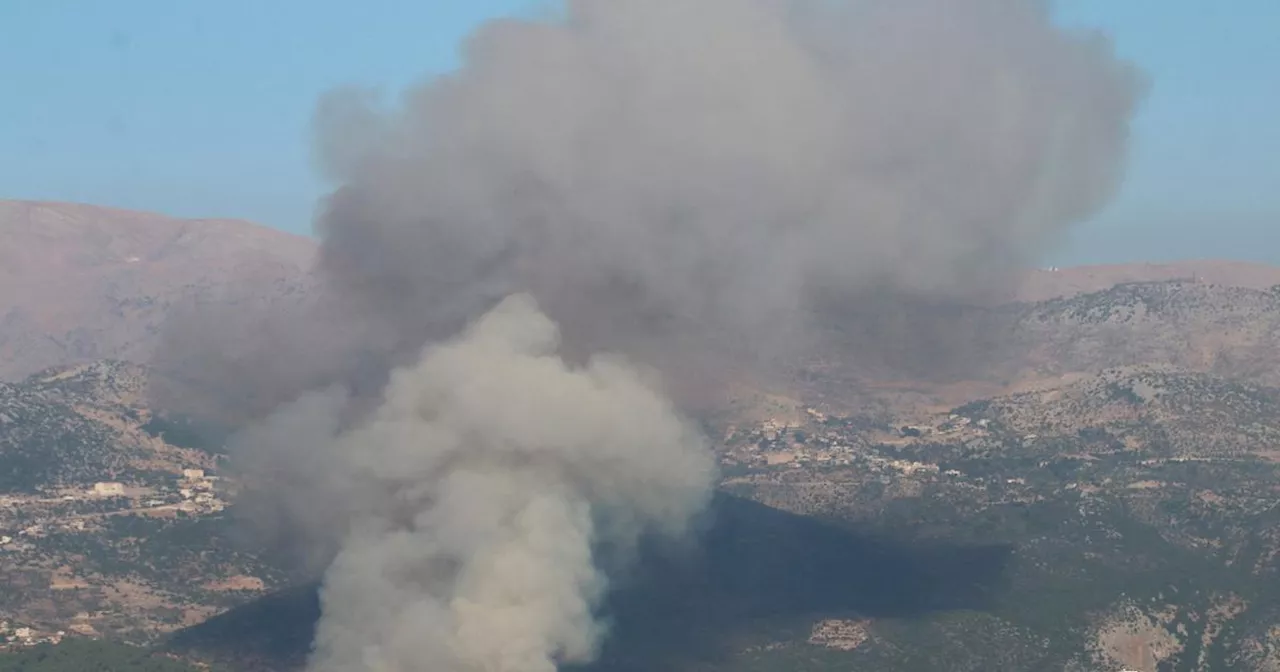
pixel 1227 330
pixel 74 426
pixel 80 283
pixel 1125 520
pixel 1139 506
pixel 112 521
pixel 936 358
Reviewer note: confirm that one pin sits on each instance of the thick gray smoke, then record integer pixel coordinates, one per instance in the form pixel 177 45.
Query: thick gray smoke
pixel 665 178
pixel 655 170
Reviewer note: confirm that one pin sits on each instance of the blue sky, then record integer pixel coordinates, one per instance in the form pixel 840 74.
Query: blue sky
pixel 202 109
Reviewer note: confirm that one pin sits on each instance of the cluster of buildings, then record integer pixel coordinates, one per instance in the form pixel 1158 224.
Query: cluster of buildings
pixel 199 492
pixel 21 636
pixel 819 443
pixel 774 443
pixel 196 493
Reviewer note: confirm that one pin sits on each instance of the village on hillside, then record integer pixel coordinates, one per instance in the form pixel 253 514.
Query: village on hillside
pixel 28 520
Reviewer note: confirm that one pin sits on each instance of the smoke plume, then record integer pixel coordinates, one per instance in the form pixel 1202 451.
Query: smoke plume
pixel 665 179
pixel 473 501
pixel 659 171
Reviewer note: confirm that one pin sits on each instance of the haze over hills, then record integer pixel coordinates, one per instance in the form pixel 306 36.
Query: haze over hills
pixel 81 282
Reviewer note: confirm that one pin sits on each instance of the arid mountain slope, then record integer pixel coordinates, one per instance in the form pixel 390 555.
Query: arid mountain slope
pixel 111 520
pixel 1043 284
pixel 945 357
pixel 1225 330
pixel 79 282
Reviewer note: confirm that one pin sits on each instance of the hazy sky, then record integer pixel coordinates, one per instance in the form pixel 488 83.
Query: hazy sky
pixel 203 109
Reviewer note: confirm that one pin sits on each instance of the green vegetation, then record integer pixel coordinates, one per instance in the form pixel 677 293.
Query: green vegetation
pixel 1141 499
pixel 188 433
pixel 78 655
pixel 44 442
pixel 50 437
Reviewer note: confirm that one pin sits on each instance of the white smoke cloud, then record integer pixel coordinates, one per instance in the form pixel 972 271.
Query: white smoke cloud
pixel 473 500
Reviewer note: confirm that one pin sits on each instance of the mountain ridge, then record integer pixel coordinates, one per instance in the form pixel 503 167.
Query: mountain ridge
pixel 80 282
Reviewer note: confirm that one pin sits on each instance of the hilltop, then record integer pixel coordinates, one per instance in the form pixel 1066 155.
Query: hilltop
pixel 942 358
pixel 1054 283
pixel 81 282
